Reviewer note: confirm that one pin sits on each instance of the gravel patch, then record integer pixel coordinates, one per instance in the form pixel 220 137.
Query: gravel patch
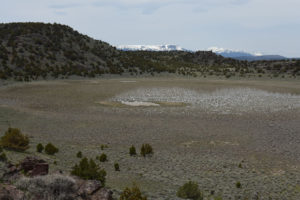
pixel 231 100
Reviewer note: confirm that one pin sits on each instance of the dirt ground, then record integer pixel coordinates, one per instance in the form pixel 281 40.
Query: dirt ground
pixel 257 147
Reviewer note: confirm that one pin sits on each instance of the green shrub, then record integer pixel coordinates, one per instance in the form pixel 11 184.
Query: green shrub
pixel 88 170
pixel 103 146
pixel 238 185
pixel 146 149
pixel 133 193
pixel 190 190
pixel 79 154
pixel 117 167
pixel 132 151
pixel 13 139
pixel 3 157
pixel 48 187
pixel 39 148
pixel 51 149
pixel 102 157
pixel 1 149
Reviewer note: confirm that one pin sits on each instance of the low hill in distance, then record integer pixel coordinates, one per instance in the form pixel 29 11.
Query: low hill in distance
pixel 226 53
pixel 258 58
pixel 242 55
pixel 30 51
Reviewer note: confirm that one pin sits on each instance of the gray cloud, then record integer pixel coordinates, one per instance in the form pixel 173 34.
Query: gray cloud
pixel 60 13
pixel 150 6
pixel 269 26
pixel 64 6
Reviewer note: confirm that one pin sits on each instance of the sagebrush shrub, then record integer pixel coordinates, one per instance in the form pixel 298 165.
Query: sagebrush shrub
pixel 238 184
pixel 133 193
pixel 190 190
pixel 88 170
pixel 51 149
pixel 13 139
pixel 39 148
pixel 103 146
pixel 48 187
pixel 132 151
pixel 146 149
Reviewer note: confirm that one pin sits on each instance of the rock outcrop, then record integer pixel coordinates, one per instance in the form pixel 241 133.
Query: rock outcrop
pixel 30 166
pixel 34 167
pixel 31 175
pixel 102 194
pixel 92 190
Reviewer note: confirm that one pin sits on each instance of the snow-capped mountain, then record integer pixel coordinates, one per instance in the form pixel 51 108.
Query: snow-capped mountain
pixel 227 53
pixel 232 53
pixel 242 55
pixel 166 47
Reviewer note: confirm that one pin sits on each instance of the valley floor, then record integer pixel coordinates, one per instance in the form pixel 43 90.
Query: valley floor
pixel 254 141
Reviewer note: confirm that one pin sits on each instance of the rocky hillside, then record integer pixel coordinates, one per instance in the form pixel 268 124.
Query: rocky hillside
pixel 30 51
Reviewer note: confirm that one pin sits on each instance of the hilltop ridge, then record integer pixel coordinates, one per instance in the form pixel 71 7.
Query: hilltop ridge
pixel 30 51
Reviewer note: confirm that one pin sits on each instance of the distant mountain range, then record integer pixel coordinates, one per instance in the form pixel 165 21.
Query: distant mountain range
pixel 227 53
pixel 166 47
pixel 242 55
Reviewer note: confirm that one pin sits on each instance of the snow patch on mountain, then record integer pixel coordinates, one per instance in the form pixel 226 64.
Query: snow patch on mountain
pixel 232 53
pixel 227 53
pixel 166 47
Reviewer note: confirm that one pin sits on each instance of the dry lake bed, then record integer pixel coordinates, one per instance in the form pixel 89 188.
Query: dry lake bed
pixel 214 132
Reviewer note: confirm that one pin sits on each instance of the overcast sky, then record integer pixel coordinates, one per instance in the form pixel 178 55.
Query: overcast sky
pixel 267 26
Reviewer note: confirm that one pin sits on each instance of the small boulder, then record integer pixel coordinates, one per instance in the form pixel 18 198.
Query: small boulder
pixel 88 187
pixel 92 190
pixel 102 194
